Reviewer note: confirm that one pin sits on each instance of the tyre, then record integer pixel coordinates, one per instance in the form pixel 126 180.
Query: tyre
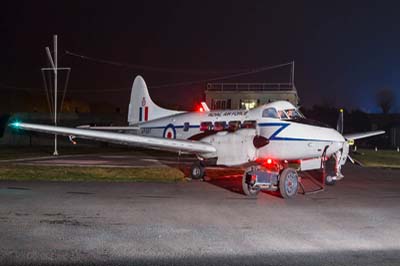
pixel 197 171
pixel 288 183
pixel 248 189
pixel 329 180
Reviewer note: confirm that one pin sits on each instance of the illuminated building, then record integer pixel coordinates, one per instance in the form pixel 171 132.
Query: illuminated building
pixel 248 95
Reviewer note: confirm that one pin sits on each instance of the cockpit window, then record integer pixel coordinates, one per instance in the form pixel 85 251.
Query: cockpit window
pixel 293 113
pixel 282 115
pixel 270 112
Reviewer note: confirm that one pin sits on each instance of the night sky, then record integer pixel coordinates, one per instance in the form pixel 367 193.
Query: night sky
pixel 344 51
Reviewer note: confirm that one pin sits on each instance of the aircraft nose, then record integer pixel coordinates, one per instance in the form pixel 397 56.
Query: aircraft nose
pixel 260 141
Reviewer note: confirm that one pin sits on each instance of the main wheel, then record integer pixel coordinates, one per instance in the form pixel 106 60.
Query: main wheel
pixel 288 183
pixel 197 171
pixel 248 189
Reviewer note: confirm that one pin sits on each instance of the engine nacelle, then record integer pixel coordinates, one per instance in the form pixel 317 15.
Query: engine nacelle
pixel 235 148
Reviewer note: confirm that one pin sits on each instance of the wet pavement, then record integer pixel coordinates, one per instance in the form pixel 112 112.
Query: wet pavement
pixel 355 222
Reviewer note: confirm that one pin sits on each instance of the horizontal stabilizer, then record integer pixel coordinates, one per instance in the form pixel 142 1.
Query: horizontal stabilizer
pixel 363 135
pixel 189 146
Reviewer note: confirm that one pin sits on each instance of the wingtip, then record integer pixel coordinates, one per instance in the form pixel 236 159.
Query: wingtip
pixel 15 124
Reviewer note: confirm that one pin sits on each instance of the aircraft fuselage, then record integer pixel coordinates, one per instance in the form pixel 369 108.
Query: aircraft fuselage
pixel 288 139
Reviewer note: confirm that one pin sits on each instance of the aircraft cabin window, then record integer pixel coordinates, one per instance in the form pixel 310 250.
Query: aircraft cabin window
pixel 206 126
pixel 233 125
pixel 249 124
pixel 186 126
pixel 219 125
pixel 270 112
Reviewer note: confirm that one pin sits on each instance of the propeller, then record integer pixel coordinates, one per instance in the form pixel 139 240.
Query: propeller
pixel 339 128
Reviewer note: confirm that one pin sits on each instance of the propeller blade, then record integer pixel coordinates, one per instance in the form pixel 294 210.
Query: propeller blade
pixel 353 161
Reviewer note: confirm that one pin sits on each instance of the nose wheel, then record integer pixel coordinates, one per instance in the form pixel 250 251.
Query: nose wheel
pixel 197 171
pixel 329 180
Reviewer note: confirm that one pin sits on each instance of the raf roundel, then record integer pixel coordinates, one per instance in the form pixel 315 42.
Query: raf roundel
pixel 169 132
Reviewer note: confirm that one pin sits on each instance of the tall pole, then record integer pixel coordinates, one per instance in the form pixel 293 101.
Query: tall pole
pixel 292 73
pixel 54 67
pixel 55 92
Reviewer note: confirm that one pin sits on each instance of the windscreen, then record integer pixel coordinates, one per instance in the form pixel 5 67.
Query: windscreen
pixel 293 114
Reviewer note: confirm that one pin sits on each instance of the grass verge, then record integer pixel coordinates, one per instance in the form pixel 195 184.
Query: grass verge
pixel 380 158
pixel 28 173
pixel 12 153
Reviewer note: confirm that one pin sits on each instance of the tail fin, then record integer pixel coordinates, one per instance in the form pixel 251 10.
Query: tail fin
pixel 141 107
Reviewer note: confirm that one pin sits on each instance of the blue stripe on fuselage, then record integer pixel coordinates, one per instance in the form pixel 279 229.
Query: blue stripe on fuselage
pixel 282 126
pixel 274 136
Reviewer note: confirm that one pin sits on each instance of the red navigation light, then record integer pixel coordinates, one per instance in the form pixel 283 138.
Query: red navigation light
pixel 269 161
pixel 201 109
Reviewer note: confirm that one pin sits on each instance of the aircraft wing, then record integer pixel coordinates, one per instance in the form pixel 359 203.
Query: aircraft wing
pixel 363 135
pixel 189 146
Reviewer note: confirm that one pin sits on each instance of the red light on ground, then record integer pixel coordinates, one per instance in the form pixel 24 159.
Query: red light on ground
pixel 269 161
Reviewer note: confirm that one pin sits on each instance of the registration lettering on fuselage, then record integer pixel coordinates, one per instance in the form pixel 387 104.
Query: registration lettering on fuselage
pixel 145 130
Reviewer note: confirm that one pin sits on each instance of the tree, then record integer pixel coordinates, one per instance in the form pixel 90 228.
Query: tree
pixel 385 99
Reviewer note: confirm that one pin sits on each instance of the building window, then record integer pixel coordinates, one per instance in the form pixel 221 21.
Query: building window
pixel 219 104
pixel 248 104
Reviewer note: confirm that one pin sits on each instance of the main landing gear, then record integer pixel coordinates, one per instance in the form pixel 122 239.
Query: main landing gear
pixel 256 179
pixel 197 170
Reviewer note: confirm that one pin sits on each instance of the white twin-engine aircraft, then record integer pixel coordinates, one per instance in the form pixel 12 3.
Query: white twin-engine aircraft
pixel 273 142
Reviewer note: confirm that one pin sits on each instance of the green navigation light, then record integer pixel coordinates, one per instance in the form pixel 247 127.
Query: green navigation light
pixel 16 124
